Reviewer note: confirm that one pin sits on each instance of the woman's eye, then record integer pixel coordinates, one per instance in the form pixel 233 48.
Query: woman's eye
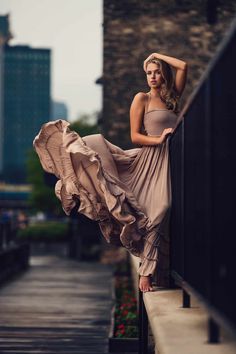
pixel 157 72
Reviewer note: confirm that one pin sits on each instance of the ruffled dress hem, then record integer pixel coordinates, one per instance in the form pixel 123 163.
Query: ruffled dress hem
pixel 120 217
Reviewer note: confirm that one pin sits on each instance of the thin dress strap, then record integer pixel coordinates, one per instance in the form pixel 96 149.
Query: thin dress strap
pixel 147 102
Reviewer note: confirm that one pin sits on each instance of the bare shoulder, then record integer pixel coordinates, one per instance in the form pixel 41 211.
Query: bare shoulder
pixel 140 99
pixel 140 96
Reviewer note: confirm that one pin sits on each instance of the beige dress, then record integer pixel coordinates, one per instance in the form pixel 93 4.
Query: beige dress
pixel 127 191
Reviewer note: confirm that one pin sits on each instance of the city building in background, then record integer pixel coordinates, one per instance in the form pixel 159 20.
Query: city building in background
pixel 25 102
pixel 5 34
pixel 59 110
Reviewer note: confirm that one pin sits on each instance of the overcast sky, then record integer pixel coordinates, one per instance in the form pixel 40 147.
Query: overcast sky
pixel 73 31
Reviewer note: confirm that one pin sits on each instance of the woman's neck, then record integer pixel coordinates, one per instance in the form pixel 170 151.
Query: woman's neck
pixel 154 92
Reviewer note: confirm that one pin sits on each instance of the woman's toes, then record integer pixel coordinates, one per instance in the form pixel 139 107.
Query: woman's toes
pixel 145 284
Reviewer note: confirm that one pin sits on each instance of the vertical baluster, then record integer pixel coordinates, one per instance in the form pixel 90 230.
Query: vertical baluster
pixel 213 331
pixel 186 299
pixel 143 326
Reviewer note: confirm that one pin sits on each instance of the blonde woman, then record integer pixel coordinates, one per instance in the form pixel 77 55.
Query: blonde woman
pixel 157 112
pixel 128 192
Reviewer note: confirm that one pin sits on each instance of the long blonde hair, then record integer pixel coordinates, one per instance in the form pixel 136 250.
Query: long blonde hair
pixel 167 92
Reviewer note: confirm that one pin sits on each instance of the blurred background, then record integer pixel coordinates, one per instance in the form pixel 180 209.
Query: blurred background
pixel 50 58
pixel 82 61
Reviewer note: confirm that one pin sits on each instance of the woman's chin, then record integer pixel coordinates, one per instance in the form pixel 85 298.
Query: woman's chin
pixel 153 86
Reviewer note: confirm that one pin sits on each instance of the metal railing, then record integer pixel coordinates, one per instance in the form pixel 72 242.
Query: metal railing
pixel 143 323
pixel 202 159
pixel 7 234
pixel 14 257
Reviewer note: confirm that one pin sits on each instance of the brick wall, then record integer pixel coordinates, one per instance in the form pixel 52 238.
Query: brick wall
pixel 132 30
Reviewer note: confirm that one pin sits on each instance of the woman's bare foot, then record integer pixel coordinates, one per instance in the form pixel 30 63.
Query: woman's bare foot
pixel 145 283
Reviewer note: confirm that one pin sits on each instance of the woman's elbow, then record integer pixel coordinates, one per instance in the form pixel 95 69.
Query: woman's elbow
pixel 133 137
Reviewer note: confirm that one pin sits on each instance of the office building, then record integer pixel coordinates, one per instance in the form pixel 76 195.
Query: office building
pixel 24 104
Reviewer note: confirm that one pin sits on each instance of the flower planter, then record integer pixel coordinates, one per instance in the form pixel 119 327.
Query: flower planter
pixel 120 344
pixel 116 344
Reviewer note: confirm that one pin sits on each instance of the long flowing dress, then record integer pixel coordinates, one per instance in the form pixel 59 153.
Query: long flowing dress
pixel 127 191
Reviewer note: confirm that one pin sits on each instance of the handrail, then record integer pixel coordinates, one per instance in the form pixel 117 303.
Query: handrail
pixel 217 55
pixel 202 154
pixel 194 208
pixel 7 234
pixel 143 324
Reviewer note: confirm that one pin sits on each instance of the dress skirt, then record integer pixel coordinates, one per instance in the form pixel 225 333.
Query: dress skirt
pixel 127 191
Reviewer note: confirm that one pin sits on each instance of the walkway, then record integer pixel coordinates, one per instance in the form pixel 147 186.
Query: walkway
pixel 58 306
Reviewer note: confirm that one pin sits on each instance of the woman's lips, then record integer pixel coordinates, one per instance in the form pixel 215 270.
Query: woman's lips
pixel 153 82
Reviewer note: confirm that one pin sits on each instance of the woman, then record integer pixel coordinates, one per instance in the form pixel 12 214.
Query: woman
pixel 127 191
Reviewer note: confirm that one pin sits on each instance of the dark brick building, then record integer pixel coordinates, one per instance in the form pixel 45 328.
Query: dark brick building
pixel 132 30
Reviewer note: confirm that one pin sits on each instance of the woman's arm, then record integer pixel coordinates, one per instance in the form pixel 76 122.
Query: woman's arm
pixel 176 63
pixel 136 116
pixel 180 66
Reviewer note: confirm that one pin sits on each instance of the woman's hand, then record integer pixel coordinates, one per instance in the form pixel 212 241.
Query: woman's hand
pixel 166 132
pixel 151 56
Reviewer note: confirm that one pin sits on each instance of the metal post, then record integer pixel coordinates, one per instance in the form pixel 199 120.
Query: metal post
pixel 186 299
pixel 213 331
pixel 143 325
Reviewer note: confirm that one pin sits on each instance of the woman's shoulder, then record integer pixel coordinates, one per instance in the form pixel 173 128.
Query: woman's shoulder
pixel 141 96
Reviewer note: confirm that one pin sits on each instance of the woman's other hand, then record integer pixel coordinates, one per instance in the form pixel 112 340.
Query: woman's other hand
pixel 166 132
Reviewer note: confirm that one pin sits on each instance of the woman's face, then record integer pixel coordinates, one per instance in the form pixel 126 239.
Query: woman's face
pixel 154 78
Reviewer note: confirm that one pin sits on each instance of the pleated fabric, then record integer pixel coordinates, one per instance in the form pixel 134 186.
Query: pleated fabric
pixel 128 192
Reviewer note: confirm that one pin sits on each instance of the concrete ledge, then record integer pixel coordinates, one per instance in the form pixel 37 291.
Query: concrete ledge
pixel 179 330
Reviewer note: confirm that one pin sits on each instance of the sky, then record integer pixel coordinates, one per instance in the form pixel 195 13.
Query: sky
pixel 72 29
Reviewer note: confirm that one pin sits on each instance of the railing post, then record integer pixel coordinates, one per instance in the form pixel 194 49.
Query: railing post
pixel 74 236
pixel 186 299
pixel 1 235
pixel 213 331
pixel 143 325
pixel 4 235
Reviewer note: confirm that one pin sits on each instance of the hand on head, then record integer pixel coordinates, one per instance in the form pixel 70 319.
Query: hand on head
pixel 151 56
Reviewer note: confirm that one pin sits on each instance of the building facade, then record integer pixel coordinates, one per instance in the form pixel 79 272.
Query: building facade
pixel 59 110
pixel 133 29
pixel 25 104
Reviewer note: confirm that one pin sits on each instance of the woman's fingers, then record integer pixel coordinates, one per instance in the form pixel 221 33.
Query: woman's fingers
pixel 168 130
pixel 151 56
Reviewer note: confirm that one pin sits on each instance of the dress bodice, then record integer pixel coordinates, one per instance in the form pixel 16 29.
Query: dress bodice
pixel 156 120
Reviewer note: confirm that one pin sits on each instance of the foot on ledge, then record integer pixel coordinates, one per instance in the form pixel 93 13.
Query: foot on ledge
pixel 145 283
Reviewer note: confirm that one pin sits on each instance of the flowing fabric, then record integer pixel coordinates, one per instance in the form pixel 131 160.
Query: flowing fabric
pixel 127 191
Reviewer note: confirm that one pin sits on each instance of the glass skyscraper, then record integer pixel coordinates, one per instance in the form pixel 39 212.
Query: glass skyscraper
pixel 24 105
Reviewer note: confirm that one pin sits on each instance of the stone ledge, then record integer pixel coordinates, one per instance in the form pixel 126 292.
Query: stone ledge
pixel 177 329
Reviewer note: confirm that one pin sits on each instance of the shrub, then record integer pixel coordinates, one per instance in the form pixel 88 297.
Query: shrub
pixel 126 315
pixel 49 231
